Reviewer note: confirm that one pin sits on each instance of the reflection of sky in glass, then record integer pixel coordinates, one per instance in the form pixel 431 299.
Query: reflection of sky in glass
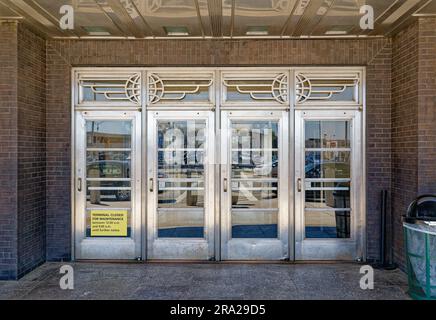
pixel 110 127
pixel 316 131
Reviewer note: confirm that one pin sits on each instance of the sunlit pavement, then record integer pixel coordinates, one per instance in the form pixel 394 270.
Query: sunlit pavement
pixel 206 281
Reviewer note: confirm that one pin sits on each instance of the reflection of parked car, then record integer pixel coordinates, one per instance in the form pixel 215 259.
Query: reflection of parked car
pixel 110 169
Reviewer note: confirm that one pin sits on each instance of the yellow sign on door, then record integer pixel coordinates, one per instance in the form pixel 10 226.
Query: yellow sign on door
pixel 109 223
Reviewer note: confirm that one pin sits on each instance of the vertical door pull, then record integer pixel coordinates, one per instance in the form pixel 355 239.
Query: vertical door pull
pixel 151 185
pixel 299 184
pixel 79 184
pixel 225 184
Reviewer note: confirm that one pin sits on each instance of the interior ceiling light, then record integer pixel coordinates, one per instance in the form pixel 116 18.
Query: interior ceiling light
pixel 96 31
pixel 176 31
pixel 257 31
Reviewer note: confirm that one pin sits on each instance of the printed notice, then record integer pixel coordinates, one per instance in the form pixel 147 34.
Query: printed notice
pixel 108 223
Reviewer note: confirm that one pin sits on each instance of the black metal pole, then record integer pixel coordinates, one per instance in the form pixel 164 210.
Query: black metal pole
pixel 383 228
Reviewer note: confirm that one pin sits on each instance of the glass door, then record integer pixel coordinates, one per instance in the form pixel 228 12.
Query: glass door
pixel 180 185
pixel 328 183
pixel 107 185
pixel 254 190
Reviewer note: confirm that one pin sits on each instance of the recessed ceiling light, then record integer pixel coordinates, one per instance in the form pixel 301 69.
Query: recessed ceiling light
pixel 339 30
pixel 257 31
pixel 176 31
pixel 336 32
pixel 96 31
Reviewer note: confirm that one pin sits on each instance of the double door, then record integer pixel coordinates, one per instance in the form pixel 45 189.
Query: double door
pixel 217 194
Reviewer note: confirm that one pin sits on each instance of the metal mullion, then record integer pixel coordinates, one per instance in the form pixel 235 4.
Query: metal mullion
pixel 181 189
pixel 201 179
pixel 181 209
pixel 111 208
pixel 328 149
pixel 255 189
pixel 109 149
pixel 255 149
pixel 328 180
pixel 327 189
pixel 109 188
pixel 256 210
pixel 180 149
pixel 256 179
pixel 327 209
pixel 109 179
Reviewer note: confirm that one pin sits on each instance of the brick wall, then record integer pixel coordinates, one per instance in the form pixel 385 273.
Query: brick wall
pixel 378 147
pixel 413 120
pixel 8 150
pixel 31 151
pixel 404 127
pixel 22 150
pixel 427 106
pixel 63 54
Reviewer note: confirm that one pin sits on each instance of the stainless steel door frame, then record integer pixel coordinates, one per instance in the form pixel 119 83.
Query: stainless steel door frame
pixel 180 248
pixel 330 249
pixel 86 247
pixel 255 248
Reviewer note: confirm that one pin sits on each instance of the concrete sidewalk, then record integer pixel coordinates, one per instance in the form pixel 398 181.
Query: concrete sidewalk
pixel 205 281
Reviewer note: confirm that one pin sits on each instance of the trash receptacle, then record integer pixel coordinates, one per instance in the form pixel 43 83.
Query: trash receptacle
pixel 420 245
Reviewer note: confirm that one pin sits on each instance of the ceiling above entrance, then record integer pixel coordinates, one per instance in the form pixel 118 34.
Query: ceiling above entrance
pixel 215 18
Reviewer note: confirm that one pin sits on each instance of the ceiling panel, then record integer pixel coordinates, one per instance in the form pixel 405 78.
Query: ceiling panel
pixel 7 12
pixel 343 17
pixel 428 9
pixel 252 15
pixel 173 13
pixel 87 13
pixel 216 18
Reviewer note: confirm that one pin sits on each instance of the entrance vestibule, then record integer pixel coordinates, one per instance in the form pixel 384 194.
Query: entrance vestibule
pixel 218 163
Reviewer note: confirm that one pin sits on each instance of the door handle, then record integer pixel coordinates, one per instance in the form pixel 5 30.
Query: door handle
pixel 79 184
pixel 225 184
pixel 299 184
pixel 151 185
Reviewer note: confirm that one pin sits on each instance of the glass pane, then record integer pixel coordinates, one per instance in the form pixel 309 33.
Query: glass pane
pixel 321 195
pixel 179 135
pixel 253 194
pixel 340 93
pixel 254 175
pixel 328 164
pixel 232 93
pixel 261 135
pixel 327 224
pixel 327 203
pixel 181 194
pixel 255 164
pixel 181 181
pixel 108 134
pixel 180 223
pixel 313 134
pixel 108 199
pixel 108 202
pixel 327 134
pixel 254 224
pixel 108 184
pixel 108 164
